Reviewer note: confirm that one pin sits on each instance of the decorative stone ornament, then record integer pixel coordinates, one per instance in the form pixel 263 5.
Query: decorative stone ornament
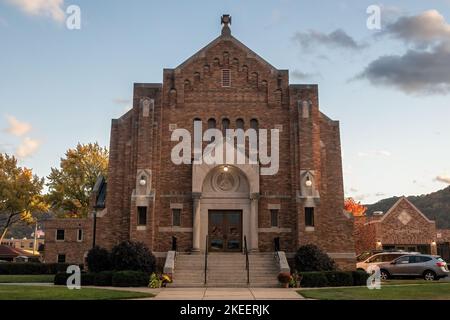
pixel 404 217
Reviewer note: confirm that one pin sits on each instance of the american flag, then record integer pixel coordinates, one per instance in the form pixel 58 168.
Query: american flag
pixel 40 233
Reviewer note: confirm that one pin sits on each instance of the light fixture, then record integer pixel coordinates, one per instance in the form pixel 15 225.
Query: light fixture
pixel 225 169
pixel 433 243
pixel 143 182
pixel 308 182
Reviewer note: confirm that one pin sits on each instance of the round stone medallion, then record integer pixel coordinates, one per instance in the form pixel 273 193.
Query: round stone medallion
pixel 225 181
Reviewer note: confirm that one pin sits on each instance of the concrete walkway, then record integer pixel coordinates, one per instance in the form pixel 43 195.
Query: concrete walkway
pixel 227 294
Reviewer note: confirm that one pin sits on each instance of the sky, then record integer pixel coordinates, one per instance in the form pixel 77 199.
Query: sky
pixel 388 87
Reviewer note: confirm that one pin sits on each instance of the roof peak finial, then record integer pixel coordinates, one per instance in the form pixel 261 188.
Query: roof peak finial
pixel 225 20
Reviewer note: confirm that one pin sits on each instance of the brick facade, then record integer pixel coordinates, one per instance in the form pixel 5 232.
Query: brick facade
pixel 74 249
pixel 404 226
pixel 141 147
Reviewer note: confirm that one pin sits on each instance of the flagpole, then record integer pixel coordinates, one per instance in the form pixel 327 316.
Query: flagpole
pixel 35 238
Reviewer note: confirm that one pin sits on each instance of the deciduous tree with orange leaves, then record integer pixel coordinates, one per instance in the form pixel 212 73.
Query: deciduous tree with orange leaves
pixel 355 208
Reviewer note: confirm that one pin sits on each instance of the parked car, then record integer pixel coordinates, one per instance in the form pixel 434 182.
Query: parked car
pixel 366 254
pixel 424 266
pixel 380 258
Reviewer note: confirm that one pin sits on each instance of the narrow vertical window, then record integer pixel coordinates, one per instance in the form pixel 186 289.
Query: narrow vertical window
pixel 226 78
pixel 176 217
pixel 142 216
pixel 225 126
pixel 240 124
pixel 274 218
pixel 80 235
pixel 309 217
pixel 196 120
pixel 211 123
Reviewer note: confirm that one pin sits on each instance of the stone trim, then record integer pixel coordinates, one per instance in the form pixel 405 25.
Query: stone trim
pixel 160 254
pixel 176 206
pixel 282 262
pixel 141 228
pixel 274 230
pixel 169 266
pixel 174 229
pixel 310 229
pixel 274 206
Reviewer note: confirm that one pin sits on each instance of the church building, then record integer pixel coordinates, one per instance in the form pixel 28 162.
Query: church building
pixel 197 206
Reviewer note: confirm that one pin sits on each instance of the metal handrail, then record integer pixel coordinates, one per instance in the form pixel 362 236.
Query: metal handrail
pixel 276 247
pixel 247 262
pixel 206 259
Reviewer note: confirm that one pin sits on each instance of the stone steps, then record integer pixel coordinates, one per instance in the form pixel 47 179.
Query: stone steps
pixel 225 270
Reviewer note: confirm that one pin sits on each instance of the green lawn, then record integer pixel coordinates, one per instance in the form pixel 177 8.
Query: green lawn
pixel 33 278
pixel 19 292
pixel 428 291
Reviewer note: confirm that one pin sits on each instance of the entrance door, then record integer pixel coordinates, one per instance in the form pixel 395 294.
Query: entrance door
pixel 225 230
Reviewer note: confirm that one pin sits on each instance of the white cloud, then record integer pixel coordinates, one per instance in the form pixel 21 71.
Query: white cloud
pixel 443 178
pixel 361 197
pixel 27 148
pixel 122 101
pixel 16 127
pixel 424 68
pixel 363 154
pixel 422 29
pixel 383 153
pixel 335 39
pixel 372 153
pixel 49 8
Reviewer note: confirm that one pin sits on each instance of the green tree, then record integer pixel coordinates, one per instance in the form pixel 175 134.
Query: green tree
pixel 71 185
pixel 20 194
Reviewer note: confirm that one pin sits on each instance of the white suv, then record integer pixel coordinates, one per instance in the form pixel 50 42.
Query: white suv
pixel 380 258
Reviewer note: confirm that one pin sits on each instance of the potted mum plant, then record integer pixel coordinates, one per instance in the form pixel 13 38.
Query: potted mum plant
pixel 284 278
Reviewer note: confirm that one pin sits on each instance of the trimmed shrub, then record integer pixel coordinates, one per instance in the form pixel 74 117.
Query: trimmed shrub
pixel 313 280
pixel 135 256
pixel 360 278
pixel 61 279
pixel 339 278
pixel 87 279
pixel 311 258
pixel 13 268
pixel 98 259
pixel 130 279
pixel 103 279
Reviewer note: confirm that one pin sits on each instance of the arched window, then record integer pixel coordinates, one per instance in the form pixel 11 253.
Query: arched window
pixel 240 124
pixel 225 125
pixel 211 123
pixel 195 120
pixel 254 124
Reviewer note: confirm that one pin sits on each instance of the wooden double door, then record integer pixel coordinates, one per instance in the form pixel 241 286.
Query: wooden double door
pixel 225 230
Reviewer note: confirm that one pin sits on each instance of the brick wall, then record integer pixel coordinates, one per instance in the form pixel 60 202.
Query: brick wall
pixel 74 250
pixel 140 140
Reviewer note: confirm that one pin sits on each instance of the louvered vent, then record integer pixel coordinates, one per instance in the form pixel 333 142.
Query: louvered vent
pixel 226 78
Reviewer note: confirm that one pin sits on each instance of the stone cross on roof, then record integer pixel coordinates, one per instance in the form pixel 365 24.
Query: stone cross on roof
pixel 225 20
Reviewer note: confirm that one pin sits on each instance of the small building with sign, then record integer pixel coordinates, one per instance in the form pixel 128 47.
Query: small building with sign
pixel 403 227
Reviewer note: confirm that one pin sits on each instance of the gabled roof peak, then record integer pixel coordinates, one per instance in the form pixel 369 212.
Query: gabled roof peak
pixel 225 20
